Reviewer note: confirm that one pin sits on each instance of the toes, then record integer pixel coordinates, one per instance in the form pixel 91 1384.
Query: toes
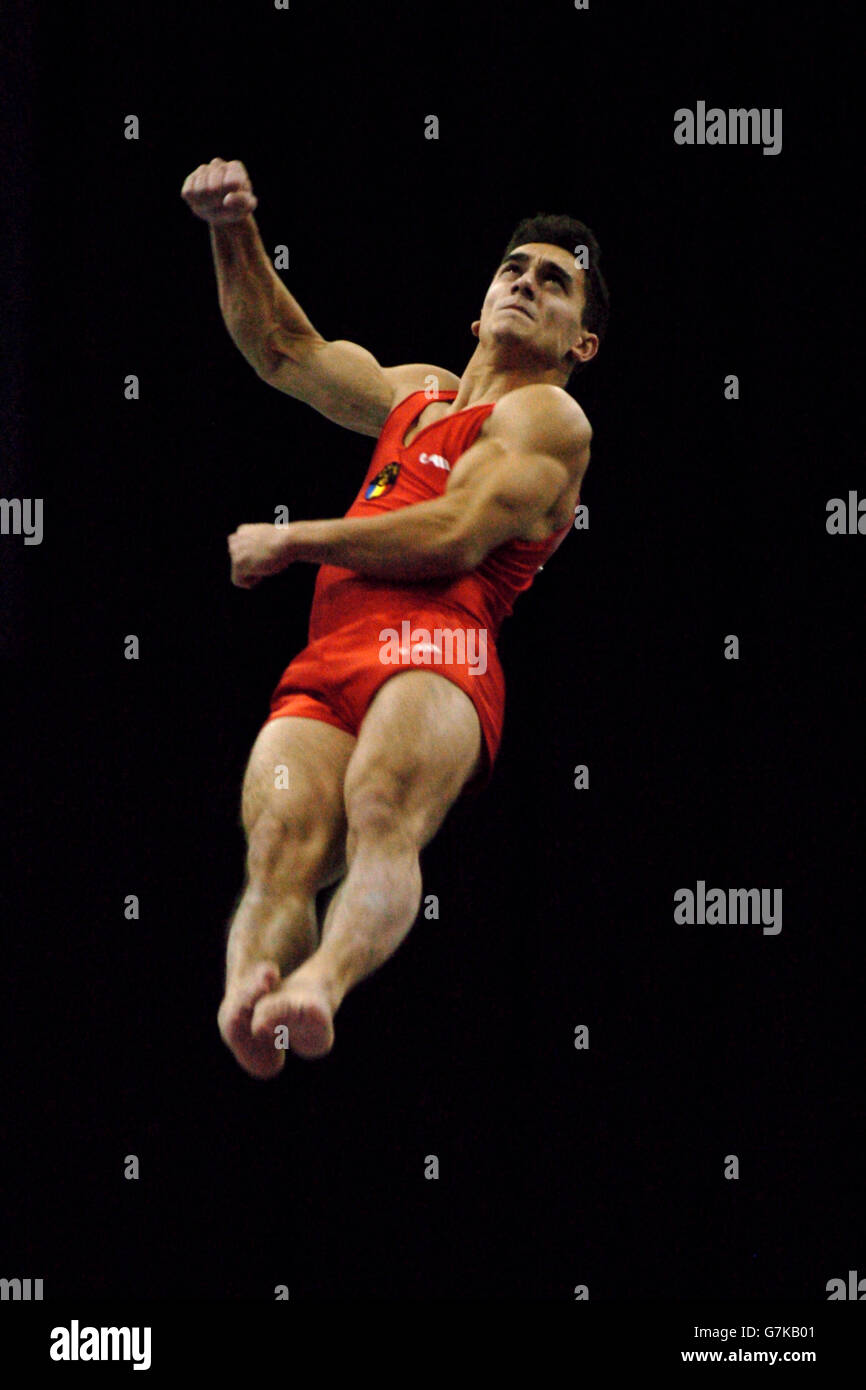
pixel 308 1020
pixel 311 1033
pixel 266 1014
pixel 256 1055
pixel 314 1034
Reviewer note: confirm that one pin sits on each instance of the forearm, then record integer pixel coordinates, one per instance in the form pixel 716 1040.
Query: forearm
pixel 255 304
pixel 415 542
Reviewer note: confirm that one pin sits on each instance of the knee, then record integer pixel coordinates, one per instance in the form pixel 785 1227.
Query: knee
pixel 287 846
pixel 378 809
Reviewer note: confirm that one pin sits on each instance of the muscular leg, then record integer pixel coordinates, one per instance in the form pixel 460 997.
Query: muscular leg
pixel 418 745
pixel 294 818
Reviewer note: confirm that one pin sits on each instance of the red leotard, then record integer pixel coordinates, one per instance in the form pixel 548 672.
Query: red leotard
pixel 337 674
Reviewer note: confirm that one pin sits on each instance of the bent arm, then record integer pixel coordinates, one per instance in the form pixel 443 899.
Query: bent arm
pixel 258 310
pixel 341 380
pixel 502 488
pixel 419 541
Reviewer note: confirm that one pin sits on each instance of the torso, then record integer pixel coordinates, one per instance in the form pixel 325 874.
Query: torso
pixel 562 511
pixel 436 410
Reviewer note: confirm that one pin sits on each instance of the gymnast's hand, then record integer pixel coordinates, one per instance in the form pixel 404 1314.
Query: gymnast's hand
pixel 257 551
pixel 220 192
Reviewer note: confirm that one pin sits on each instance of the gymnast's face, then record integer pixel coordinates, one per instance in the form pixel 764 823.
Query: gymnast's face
pixel 537 297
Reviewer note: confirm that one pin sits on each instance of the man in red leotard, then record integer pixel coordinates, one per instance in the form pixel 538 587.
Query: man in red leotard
pixel 395 706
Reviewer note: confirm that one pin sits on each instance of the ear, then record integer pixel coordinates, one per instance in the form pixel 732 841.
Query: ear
pixel 583 350
pixel 474 327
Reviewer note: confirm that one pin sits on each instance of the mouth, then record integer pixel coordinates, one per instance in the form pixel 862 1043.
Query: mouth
pixel 518 308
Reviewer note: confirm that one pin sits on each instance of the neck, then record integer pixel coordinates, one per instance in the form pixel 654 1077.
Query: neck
pixel 484 380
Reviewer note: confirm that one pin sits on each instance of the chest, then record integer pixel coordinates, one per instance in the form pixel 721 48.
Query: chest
pixel 431 413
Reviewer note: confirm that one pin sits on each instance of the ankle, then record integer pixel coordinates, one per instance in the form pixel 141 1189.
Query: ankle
pixel 239 968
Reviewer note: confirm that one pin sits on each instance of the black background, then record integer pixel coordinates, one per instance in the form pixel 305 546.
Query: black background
pixel 707 517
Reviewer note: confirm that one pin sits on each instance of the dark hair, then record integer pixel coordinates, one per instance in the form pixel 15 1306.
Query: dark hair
pixel 569 233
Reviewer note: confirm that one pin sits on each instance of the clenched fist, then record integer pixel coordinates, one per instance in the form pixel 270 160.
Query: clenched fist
pixel 220 192
pixel 259 550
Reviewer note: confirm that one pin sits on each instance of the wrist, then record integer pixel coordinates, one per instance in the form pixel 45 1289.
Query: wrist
pixel 232 226
pixel 307 540
pixel 281 543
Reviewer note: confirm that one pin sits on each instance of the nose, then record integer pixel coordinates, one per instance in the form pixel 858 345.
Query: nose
pixel 524 282
pixel 523 285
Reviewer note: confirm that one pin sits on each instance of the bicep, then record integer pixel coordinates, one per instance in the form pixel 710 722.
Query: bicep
pixel 344 381
pixel 339 379
pixel 497 496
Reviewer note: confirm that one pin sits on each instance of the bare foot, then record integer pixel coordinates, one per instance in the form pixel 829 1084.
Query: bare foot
pixel 256 1054
pixel 303 1006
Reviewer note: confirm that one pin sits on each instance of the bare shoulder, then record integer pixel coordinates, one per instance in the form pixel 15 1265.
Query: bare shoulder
pixel 418 376
pixel 542 418
pixel 545 420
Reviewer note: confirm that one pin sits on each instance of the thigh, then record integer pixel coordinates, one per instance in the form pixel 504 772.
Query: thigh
pixel 418 745
pixel 293 787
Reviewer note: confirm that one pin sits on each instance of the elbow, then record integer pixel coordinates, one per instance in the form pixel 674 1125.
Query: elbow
pixel 465 552
pixel 265 367
pixel 468 539
pixel 251 345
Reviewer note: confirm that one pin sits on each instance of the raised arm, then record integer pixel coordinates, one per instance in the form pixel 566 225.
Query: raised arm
pixel 341 380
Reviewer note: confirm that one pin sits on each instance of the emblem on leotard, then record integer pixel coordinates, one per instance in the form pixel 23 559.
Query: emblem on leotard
pixel 383 481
